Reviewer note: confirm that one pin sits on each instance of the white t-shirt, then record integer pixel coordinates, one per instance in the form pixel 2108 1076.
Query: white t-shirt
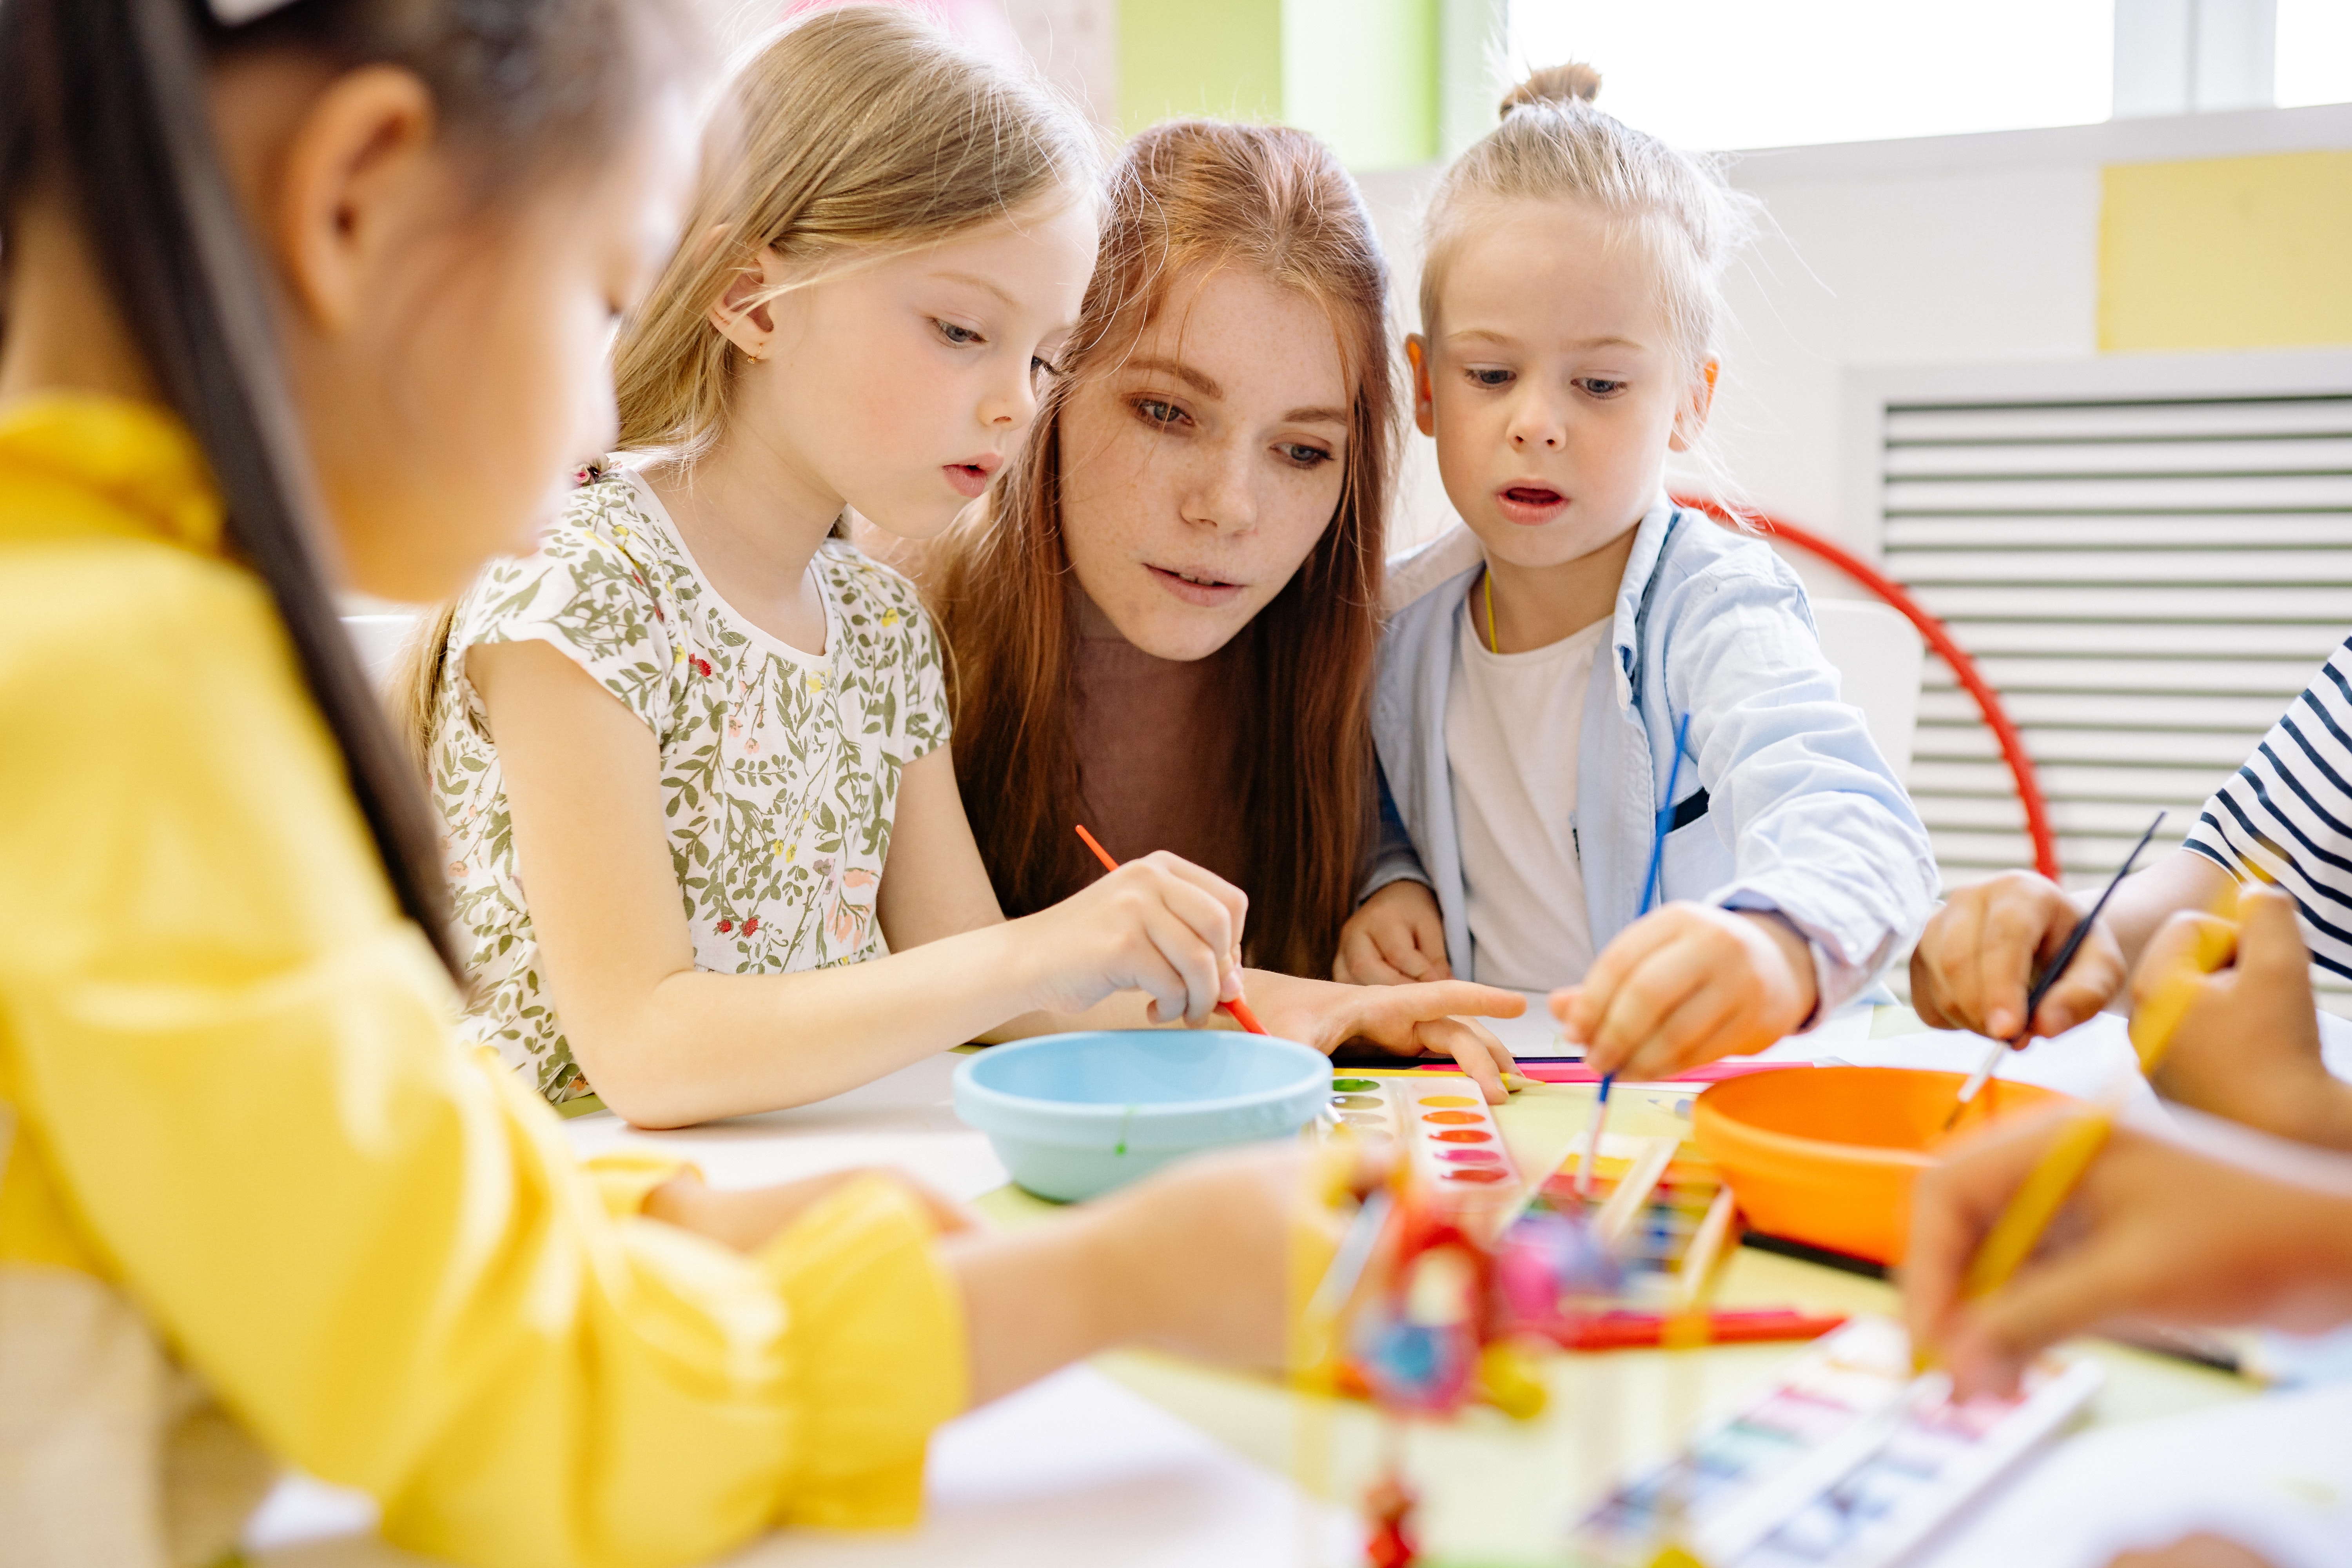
pixel 1511 727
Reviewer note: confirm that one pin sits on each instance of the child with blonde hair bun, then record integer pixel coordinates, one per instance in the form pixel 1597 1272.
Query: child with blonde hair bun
pixel 1615 760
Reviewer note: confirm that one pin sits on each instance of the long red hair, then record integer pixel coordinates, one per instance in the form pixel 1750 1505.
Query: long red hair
pixel 1187 195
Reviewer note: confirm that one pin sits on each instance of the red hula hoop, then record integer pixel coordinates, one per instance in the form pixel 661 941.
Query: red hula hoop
pixel 1963 668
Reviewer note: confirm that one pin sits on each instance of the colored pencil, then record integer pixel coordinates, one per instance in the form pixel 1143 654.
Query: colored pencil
pixel 2050 976
pixel 1538 1072
pixel 1237 1007
pixel 1633 1331
pixel 2037 1202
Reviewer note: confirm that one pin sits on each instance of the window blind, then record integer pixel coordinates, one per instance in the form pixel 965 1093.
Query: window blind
pixel 2146 580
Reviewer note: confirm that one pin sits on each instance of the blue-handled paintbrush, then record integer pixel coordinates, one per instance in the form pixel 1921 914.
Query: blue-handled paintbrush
pixel 1650 889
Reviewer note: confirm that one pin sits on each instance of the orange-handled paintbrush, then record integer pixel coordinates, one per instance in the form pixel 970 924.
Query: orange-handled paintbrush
pixel 1237 1007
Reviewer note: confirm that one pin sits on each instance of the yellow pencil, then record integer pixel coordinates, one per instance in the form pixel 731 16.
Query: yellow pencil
pixel 2155 1021
pixel 2037 1202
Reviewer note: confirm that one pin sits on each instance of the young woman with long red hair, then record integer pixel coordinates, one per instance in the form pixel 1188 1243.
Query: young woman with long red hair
pixel 1163 624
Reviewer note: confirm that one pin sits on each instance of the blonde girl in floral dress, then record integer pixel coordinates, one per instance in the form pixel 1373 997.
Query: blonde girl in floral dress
pixel 691 757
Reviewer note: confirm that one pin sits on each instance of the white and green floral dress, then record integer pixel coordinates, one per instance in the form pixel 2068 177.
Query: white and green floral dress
pixel 779 768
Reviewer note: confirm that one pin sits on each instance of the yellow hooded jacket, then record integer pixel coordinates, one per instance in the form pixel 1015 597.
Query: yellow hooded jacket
pixel 241 1120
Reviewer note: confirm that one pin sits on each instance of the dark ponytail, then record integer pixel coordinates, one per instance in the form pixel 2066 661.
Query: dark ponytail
pixel 103 107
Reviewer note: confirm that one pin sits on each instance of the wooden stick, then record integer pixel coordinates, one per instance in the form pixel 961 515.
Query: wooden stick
pixel 1703 1263
pixel 1633 1189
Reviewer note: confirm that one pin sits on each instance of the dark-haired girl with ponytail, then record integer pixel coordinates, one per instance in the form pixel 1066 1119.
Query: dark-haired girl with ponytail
pixel 300 296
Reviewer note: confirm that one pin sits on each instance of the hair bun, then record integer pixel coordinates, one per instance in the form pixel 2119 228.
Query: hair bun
pixel 1574 82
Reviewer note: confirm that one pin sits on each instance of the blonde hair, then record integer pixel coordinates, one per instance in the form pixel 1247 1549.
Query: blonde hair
pixel 1553 144
pixel 861 132
pixel 853 135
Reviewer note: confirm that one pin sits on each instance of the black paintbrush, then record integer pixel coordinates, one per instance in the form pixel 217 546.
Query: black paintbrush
pixel 2049 977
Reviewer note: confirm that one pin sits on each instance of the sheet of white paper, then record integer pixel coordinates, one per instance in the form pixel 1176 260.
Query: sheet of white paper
pixel 2336 1045
pixel 2084 1061
pixel 1078 1472
pixel 1534 1033
pixel 1074 1472
pixel 2273 1473
pixel 303 1519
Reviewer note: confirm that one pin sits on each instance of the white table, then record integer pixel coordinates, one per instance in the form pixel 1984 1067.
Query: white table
pixel 1082 1471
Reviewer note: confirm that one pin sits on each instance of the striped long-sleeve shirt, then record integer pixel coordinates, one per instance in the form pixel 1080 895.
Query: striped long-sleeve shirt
pixel 2285 816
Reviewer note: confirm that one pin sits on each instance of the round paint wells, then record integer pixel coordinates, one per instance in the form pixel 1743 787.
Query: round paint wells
pixel 1362 1119
pixel 1470 1156
pixel 1474 1173
pixel 1447 1100
pixel 1354 1085
pixel 1454 1118
pixel 1462 1135
pixel 1356 1101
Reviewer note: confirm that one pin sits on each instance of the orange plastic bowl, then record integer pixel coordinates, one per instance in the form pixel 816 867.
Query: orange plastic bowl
pixel 1827 1155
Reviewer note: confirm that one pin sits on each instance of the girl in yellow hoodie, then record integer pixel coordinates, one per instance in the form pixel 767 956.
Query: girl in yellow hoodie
pixel 318 292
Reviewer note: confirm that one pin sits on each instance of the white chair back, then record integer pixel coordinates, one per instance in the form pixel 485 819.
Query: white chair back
pixel 1878 656
pixel 378 639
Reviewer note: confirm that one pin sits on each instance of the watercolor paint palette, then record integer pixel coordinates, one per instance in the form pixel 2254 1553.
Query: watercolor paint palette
pixel 1442 1123
pixel 1845 1462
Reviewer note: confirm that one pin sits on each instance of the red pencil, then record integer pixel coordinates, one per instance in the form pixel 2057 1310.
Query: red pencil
pixel 1633 1331
pixel 1237 1007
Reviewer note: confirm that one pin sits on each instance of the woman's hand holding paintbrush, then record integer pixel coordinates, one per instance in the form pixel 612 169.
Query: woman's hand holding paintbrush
pixel 1160 925
pixel 1229 977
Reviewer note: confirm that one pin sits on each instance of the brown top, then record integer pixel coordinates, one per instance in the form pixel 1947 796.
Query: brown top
pixel 1155 761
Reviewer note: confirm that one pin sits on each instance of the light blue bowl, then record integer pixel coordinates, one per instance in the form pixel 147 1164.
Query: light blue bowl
pixel 1073 1116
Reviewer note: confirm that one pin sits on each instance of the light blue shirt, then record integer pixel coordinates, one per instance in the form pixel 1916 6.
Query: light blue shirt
pixel 1784 803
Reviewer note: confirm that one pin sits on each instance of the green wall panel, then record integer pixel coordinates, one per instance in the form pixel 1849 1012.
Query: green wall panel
pixel 1199 57
pixel 1362 74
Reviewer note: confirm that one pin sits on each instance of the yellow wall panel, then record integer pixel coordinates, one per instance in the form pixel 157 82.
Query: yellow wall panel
pixel 2227 253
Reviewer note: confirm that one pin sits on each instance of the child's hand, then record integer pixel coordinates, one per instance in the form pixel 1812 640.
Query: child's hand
pixel 1406 1019
pixel 1202 1256
pixel 2155 1231
pixel 1160 925
pixel 1976 957
pixel 1396 938
pixel 2248 1047
pixel 1687 985
pixel 1205 1259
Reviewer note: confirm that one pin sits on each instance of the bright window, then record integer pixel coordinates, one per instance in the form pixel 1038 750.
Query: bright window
pixel 1775 73
pixel 2315 51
